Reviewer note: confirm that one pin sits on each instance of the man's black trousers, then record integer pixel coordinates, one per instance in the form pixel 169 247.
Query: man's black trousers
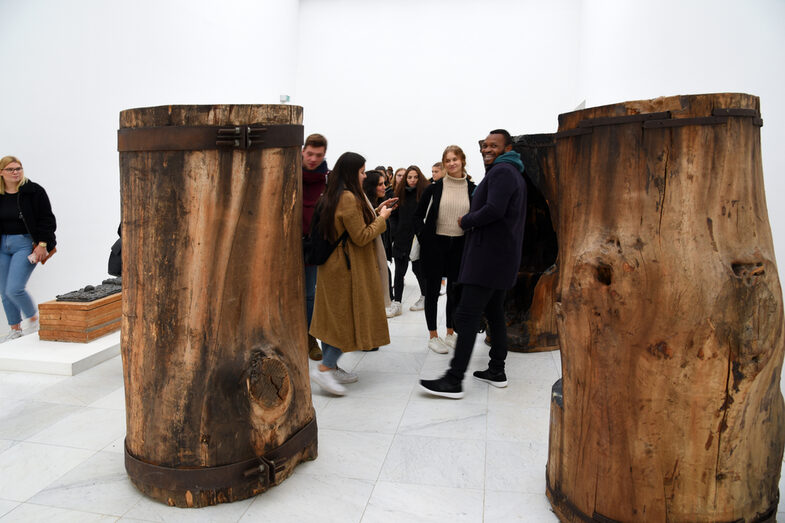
pixel 473 302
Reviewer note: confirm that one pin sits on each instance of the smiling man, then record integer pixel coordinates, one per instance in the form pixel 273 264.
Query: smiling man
pixel 491 258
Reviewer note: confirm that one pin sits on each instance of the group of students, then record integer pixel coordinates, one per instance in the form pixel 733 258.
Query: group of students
pixel 403 217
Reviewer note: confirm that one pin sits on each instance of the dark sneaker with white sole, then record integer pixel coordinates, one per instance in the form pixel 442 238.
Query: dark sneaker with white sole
pixel 498 379
pixel 442 387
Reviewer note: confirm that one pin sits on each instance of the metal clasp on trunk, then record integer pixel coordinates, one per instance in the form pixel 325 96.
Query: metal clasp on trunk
pixel 267 470
pixel 241 136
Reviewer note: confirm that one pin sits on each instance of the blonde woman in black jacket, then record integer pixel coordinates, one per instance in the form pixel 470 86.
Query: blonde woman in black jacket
pixel 27 236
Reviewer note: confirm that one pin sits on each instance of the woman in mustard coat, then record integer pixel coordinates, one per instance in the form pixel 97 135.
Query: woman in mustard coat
pixel 349 311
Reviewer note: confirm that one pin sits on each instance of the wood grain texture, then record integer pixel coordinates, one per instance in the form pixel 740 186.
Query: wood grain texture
pixel 79 321
pixel 529 312
pixel 213 299
pixel 669 311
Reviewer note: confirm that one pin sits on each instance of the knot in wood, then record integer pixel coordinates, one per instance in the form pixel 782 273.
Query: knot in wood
pixel 604 273
pixel 661 350
pixel 269 382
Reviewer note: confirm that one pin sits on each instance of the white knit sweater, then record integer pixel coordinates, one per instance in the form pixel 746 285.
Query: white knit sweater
pixel 453 205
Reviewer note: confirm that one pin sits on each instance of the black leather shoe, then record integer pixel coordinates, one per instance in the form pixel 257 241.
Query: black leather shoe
pixel 496 379
pixel 442 387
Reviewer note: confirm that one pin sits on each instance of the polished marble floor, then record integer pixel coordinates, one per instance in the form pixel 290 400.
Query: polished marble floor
pixel 387 452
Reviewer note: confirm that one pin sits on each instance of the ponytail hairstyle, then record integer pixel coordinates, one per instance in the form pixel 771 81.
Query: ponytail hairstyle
pixel 344 177
pixel 422 184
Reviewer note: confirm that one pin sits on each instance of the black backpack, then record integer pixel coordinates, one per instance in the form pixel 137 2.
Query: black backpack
pixel 317 247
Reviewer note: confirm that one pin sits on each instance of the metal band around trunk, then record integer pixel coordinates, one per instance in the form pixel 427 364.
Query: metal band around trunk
pixel 661 120
pixel 263 469
pixel 197 138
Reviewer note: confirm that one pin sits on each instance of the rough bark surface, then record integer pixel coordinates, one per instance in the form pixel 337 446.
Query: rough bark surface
pixel 213 333
pixel 670 320
pixel 531 323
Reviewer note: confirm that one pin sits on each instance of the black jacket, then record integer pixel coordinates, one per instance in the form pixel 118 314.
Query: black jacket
pixel 425 226
pixel 36 213
pixel 402 225
pixel 494 229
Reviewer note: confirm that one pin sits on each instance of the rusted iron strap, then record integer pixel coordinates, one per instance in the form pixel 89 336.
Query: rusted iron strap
pixel 680 122
pixel 571 132
pixel 263 469
pixel 750 113
pixel 744 113
pixel 197 138
pixel 661 120
pixel 620 120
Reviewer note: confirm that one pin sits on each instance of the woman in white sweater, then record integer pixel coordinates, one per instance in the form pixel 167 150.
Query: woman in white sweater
pixel 441 240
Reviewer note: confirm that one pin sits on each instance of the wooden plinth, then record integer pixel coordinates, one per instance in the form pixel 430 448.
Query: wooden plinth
pixel 79 321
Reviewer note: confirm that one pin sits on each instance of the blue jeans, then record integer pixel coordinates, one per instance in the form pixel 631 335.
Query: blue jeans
pixel 310 291
pixel 15 270
pixel 331 355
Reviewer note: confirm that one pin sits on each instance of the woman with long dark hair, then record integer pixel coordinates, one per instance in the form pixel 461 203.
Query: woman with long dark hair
pixel 441 240
pixel 375 188
pixel 349 306
pixel 409 192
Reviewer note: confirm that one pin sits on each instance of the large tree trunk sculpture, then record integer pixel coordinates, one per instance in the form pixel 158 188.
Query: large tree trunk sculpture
pixel 669 312
pixel 213 336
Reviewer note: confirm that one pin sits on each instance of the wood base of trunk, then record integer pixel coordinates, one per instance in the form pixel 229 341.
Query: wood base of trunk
pixel 531 323
pixel 197 496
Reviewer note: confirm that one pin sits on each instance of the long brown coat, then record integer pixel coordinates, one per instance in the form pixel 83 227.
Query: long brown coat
pixel 349 305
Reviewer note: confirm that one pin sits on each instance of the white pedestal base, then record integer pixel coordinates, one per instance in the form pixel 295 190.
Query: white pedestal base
pixel 30 354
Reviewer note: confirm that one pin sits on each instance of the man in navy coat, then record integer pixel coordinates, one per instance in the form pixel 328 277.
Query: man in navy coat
pixel 489 267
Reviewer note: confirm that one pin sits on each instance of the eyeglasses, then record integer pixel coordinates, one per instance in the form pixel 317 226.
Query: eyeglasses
pixel 13 169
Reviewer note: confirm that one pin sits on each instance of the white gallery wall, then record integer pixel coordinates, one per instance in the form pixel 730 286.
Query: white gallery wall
pixel 399 81
pixel 72 66
pixel 394 81
pixel 645 49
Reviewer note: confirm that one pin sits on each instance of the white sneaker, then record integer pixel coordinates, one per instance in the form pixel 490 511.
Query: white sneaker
pixel 32 327
pixel 326 380
pixel 14 334
pixel 394 309
pixel 450 340
pixel 438 346
pixel 342 376
pixel 418 305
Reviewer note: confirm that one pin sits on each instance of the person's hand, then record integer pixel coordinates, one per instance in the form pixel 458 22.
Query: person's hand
pixel 39 253
pixel 391 203
pixel 385 212
pixel 459 221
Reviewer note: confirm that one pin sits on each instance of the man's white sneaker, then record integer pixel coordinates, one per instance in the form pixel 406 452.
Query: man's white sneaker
pixel 394 309
pixel 327 381
pixel 437 345
pixel 450 340
pixel 342 376
pixel 418 305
